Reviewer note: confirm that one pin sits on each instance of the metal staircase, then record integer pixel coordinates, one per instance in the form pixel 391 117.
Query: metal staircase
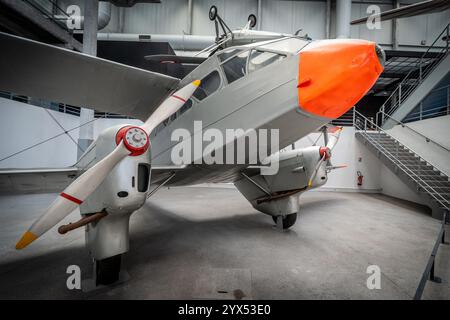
pixel 423 76
pixel 421 176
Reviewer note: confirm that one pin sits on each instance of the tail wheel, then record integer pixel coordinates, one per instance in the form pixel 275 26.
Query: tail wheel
pixel 107 270
pixel 288 220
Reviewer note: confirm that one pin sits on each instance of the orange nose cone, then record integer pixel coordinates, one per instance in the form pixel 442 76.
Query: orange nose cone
pixel 335 74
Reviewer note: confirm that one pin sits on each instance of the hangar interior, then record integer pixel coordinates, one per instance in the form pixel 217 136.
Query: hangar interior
pixel 384 208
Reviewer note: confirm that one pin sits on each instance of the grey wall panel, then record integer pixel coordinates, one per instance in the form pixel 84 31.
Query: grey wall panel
pixel 413 30
pixel 289 16
pixel 383 35
pixel 436 22
pixel 170 17
pixel 167 17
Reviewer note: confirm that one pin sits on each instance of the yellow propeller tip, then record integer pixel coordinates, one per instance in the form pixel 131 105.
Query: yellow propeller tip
pixel 27 238
pixel 196 83
pixel 309 183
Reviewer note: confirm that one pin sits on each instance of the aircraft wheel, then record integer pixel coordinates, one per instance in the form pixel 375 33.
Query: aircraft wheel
pixel 108 270
pixel 212 13
pixel 288 220
pixel 252 19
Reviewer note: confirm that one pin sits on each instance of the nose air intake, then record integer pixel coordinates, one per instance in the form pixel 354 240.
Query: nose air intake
pixel 381 55
pixel 335 74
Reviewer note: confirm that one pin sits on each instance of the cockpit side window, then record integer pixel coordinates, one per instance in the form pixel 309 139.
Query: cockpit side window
pixel 235 68
pixel 226 54
pixel 208 86
pixel 260 59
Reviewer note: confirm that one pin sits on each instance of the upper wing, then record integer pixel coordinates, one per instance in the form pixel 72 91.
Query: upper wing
pixel 414 9
pixel 40 70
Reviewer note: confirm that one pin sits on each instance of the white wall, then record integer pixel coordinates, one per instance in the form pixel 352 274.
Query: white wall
pixel 436 129
pixel 391 185
pixel 23 125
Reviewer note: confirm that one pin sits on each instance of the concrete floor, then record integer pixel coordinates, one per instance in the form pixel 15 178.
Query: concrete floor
pixel 198 242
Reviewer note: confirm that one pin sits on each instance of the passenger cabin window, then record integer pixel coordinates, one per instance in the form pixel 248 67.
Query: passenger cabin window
pixel 260 59
pixel 235 68
pixel 208 86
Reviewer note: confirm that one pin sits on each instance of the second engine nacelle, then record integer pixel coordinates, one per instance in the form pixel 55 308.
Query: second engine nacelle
pixel 277 194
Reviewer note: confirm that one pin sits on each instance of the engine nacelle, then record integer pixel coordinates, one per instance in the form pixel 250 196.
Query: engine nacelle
pixel 125 188
pixel 123 191
pixel 295 169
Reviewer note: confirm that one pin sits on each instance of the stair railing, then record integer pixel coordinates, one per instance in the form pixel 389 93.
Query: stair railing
pixel 427 63
pixel 364 125
pixel 441 108
pixel 427 139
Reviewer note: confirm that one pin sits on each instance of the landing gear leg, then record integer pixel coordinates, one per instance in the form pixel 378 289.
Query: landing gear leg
pixel 107 270
pixel 285 222
pixel 107 240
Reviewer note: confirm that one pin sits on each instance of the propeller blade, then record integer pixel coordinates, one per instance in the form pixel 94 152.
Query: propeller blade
pixel 73 195
pixel 316 169
pixel 170 106
pixel 329 168
pixel 333 136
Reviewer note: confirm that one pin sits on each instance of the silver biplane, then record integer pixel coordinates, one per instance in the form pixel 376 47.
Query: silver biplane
pixel 249 80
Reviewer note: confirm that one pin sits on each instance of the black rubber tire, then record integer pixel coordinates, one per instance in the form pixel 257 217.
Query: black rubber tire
pixel 108 270
pixel 212 13
pixel 253 20
pixel 288 220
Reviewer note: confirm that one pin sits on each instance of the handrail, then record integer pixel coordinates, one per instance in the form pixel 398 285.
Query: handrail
pixel 398 95
pixel 442 201
pixel 428 114
pixel 427 139
pixel 436 111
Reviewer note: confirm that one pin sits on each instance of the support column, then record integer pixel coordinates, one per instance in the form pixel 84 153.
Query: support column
pixel 328 21
pixel 343 17
pixel 259 15
pixel 189 17
pixel 86 133
pixel 121 24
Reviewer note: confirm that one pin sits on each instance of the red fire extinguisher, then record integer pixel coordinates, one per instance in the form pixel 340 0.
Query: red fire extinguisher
pixel 359 178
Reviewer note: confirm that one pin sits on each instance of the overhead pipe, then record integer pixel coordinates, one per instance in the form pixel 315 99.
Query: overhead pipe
pixel 189 16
